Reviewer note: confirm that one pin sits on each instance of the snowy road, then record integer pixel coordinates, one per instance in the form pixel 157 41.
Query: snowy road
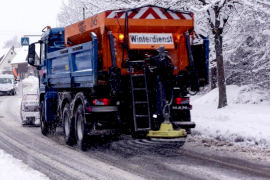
pixel 122 158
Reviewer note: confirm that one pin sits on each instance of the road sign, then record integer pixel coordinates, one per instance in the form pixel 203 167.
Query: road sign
pixel 25 41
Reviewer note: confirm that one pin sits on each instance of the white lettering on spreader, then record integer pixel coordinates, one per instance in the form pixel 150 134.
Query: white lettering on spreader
pixel 139 38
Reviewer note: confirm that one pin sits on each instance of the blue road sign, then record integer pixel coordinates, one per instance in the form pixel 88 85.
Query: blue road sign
pixel 25 41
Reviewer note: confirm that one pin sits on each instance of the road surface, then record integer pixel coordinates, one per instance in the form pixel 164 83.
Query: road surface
pixel 118 158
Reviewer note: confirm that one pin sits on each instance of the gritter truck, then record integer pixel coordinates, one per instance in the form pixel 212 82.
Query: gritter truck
pixel 130 70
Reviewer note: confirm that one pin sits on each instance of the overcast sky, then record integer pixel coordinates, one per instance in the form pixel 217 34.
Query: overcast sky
pixel 26 17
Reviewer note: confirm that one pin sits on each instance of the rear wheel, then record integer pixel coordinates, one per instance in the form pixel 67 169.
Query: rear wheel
pixel 80 127
pixel 68 126
pixel 44 126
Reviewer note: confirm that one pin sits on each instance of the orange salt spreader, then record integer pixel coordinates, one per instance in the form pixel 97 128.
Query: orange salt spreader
pixel 140 30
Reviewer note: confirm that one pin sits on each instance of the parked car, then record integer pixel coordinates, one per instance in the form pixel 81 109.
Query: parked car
pixel 7 84
pixel 29 109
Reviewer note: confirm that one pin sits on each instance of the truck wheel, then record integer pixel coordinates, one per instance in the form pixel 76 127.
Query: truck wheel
pixel 43 125
pixel 68 126
pixel 23 123
pixel 80 127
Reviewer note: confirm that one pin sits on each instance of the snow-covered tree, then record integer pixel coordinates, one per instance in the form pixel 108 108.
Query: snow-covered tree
pixel 75 10
pixel 14 42
pixel 72 11
pixel 218 12
pixel 246 45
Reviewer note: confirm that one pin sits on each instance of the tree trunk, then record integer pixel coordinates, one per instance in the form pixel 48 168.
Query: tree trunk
pixel 213 76
pixel 220 70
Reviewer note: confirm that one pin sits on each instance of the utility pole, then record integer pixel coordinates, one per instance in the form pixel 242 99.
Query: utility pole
pixel 84 7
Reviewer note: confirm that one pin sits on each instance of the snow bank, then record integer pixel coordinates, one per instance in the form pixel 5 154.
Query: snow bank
pixel 246 119
pixel 31 79
pixel 247 94
pixel 266 32
pixel 9 165
pixel 33 82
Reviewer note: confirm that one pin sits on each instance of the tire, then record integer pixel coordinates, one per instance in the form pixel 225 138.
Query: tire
pixel 23 122
pixel 68 126
pixel 21 115
pixel 80 127
pixel 44 126
pixel 13 92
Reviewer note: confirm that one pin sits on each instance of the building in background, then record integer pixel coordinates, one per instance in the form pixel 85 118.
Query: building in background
pixel 6 56
pixel 21 65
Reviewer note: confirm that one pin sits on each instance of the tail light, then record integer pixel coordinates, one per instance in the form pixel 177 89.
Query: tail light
pixel 103 102
pixel 180 100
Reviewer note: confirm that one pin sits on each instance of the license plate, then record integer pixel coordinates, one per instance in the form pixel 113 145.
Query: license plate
pixel 180 107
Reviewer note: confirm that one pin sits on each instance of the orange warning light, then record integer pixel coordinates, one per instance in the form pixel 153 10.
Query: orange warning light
pixel 121 37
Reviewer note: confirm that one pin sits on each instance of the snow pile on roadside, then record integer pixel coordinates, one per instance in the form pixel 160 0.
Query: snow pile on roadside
pixel 247 94
pixel 246 119
pixel 31 79
pixel 34 83
pixel 9 165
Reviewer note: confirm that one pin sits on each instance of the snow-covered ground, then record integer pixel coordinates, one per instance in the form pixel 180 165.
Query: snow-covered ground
pixel 14 169
pixel 9 165
pixel 245 121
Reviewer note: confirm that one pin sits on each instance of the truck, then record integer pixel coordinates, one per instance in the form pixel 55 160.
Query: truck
pixel 128 70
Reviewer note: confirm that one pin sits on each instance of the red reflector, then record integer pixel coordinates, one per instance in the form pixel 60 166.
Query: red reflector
pixel 181 101
pixel 101 101
pixel 89 109
pixel 106 101
pixel 190 107
pixel 177 100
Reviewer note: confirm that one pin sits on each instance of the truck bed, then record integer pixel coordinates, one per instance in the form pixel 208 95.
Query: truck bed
pixel 75 66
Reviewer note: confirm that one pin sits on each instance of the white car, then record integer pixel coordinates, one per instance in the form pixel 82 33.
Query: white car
pixel 30 109
pixel 7 84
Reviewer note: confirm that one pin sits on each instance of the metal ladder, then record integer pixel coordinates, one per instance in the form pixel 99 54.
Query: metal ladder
pixel 137 102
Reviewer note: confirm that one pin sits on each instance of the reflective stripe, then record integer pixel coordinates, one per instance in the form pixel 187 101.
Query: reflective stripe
pixel 149 13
